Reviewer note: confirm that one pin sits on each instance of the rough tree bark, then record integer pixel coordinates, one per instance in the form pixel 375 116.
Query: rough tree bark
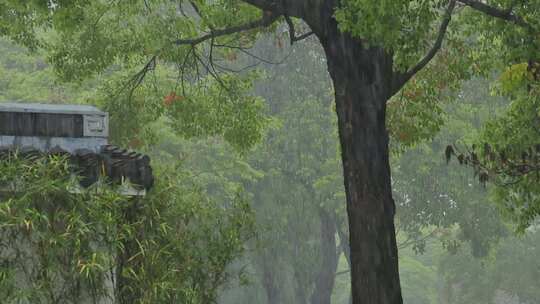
pixel 362 79
pixel 269 284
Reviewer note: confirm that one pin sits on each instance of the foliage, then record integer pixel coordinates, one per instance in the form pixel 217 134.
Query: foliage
pixel 500 44
pixel 108 43
pixel 514 51
pixel 198 110
pixel 409 27
pixel 406 28
pixel 432 196
pixel 416 274
pixel 25 76
pixel 210 112
pixel 471 280
pixel 516 134
pixel 62 246
pixel 417 113
pixel 506 151
pixel 301 177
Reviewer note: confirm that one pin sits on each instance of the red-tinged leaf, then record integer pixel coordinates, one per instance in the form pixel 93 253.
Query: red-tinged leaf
pixel 169 99
pixel 135 143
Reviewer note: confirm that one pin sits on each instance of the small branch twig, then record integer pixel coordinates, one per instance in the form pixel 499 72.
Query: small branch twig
pixel 265 21
pixel 409 241
pixel 292 32
pixel 245 51
pixel 403 78
pixel 505 14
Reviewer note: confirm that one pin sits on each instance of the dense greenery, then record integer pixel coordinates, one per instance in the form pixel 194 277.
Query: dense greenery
pixel 193 101
pixel 175 244
pixel 63 246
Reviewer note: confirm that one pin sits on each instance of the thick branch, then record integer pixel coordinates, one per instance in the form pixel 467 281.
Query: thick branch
pixel 303 36
pixel 265 21
pixel 496 12
pixel 403 78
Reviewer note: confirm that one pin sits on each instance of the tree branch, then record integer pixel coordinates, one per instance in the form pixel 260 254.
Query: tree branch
pixel 497 12
pixel 409 241
pixel 265 21
pixel 292 32
pixel 303 36
pixel 403 78
pixel 245 51
pixel 135 81
pixel 196 9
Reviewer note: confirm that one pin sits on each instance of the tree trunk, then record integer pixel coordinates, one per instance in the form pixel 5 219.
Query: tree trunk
pixel 269 284
pixel 324 284
pixel 362 79
pixel 445 295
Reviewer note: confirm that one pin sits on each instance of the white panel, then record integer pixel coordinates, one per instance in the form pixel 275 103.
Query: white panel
pixel 45 144
pixel 96 125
